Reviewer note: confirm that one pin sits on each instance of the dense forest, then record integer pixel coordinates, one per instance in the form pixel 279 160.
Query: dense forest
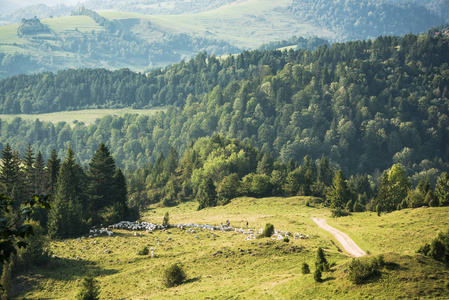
pixel 354 19
pixel 365 104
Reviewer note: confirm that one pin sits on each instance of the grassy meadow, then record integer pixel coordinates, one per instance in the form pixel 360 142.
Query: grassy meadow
pixel 247 24
pixel 87 116
pixel 224 265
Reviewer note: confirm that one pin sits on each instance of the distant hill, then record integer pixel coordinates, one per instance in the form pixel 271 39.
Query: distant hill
pixel 110 35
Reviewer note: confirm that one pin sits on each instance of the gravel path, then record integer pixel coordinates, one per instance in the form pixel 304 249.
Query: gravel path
pixel 348 244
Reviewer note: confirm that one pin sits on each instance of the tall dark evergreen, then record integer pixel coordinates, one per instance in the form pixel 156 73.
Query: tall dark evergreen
pixel 206 196
pixel 29 179
pixel 339 193
pixel 102 189
pixel 39 175
pixel 121 196
pixel 52 172
pixel 8 173
pixel 66 215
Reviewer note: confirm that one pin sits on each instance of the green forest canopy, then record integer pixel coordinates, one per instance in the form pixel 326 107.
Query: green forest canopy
pixel 364 104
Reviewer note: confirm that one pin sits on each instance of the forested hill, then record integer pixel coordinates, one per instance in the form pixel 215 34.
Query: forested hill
pixel 364 104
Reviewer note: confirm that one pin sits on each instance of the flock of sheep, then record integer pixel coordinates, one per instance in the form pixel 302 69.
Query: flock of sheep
pixel 150 227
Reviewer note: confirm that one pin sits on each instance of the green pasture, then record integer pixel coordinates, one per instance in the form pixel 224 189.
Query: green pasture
pixel 70 23
pixel 224 265
pixel 8 35
pixel 247 23
pixel 87 116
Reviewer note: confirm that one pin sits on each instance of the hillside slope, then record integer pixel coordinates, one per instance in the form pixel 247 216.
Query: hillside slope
pixel 227 264
pixel 141 41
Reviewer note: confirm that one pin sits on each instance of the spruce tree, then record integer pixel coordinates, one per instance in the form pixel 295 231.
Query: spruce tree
pixel 40 180
pixel 102 189
pixel 29 172
pixel 66 217
pixel 339 193
pixel 206 196
pixel 321 261
pixel 40 214
pixel 442 189
pixel 7 171
pixel 52 172
pixel 121 196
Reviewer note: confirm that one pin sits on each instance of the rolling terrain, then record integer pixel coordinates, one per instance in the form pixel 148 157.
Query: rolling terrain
pixel 142 40
pixel 264 268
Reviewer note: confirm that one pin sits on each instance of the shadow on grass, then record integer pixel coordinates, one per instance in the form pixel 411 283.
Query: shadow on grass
pixel 69 269
pixel 393 266
pixel 192 280
pixel 328 279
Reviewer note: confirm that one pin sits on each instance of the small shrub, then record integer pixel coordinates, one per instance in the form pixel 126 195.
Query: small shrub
pixel 286 239
pixel 305 268
pixel 360 271
pixel 338 212
pixel 268 231
pixel 89 290
pixel 174 275
pixel 438 248
pixel 144 251
pixel 317 275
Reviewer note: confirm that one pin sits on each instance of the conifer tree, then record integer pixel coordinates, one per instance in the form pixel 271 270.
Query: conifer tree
pixel 442 189
pixel 29 172
pixel 325 172
pixel 52 172
pixel 101 188
pixel 40 180
pixel 66 217
pixel 339 193
pixel 7 171
pixel 206 196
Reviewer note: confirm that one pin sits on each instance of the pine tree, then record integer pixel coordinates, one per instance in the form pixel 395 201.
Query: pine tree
pixel 321 261
pixel 206 196
pixel 339 193
pixel 40 180
pixel 40 214
pixel 325 172
pixel 101 187
pixel 52 172
pixel 66 216
pixel 121 196
pixel 29 172
pixel 7 172
pixel 442 189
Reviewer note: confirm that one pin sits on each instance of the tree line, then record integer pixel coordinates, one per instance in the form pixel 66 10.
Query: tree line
pixel 214 170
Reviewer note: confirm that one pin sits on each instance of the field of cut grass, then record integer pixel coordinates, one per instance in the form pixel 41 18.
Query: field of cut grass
pixel 223 265
pixel 247 23
pixel 70 23
pixel 87 116
pixel 8 35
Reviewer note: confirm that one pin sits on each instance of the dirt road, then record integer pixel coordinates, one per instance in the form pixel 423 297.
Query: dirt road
pixel 347 243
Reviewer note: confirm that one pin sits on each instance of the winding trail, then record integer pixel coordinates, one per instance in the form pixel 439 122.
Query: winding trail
pixel 348 244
